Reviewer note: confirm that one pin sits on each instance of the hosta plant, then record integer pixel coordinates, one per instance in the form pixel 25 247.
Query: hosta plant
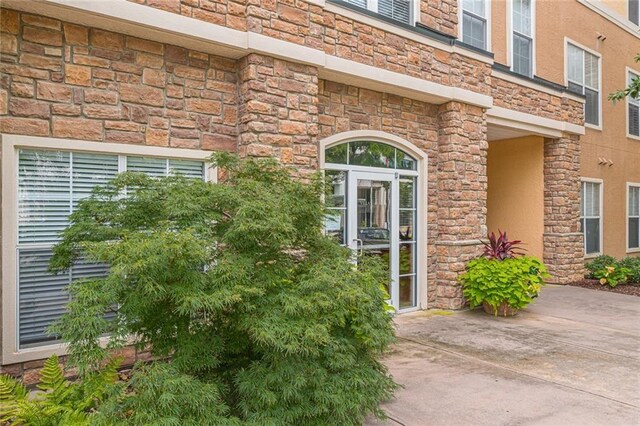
pixel 501 247
pixel 612 275
pixel 633 265
pixel 59 402
pixel 599 263
pixel 266 319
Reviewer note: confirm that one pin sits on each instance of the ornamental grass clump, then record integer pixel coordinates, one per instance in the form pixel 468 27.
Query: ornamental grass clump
pixel 256 316
pixel 503 280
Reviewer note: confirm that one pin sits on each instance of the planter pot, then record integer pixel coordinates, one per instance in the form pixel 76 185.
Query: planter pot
pixel 504 310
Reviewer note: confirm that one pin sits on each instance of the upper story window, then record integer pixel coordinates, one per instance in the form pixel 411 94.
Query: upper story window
pixel 633 108
pixel 522 37
pixel 474 23
pixel 583 77
pixel 634 11
pixel 399 10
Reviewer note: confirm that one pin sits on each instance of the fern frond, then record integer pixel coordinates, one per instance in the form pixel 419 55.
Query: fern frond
pixel 12 394
pixel 51 376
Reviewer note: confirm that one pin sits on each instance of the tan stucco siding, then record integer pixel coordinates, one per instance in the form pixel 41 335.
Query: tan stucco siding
pixel 515 196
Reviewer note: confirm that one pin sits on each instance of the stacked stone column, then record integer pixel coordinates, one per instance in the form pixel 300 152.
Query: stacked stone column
pixel 278 111
pixel 462 196
pixel 563 241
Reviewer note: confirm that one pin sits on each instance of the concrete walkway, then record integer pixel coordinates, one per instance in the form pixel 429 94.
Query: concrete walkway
pixel 571 358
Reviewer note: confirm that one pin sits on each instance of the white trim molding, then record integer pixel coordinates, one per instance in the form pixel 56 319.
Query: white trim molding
pixel 10 144
pixel 422 192
pixel 541 126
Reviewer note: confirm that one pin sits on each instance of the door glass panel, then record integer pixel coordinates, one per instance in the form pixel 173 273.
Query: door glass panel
pixel 406 193
pixel 335 200
pixel 407 225
pixel 407 292
pixel 407 259
pixel 374 219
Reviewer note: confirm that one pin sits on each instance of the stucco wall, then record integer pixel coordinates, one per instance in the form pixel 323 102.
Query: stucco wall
pixel 515 196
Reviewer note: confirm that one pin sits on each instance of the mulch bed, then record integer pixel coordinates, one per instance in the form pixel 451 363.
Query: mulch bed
pixel 631 289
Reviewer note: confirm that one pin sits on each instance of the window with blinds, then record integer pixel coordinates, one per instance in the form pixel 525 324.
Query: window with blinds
pixel 50 186
pixel 522 37
pixel 633 106
pixel 398 10
pixel 474 23
pixel 583 77
pixel 633 230
pixel 590 219
pixel 634 11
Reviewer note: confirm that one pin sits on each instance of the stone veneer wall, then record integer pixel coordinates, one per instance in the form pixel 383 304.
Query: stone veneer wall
pixel 310 25
pixel 521 98
pixel 278 111
pixel 461 196
pixel 441 15
pixel 69 81
pixel 562 239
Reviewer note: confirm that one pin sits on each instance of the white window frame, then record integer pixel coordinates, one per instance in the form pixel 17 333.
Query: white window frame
pixel 11 353
pixel 568 41
pixel 627 216
pixel 601 210
pixel 487 5
pixel 510 32
pixel 628 101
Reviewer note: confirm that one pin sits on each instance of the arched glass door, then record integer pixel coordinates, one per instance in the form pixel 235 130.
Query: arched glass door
pixel 373 207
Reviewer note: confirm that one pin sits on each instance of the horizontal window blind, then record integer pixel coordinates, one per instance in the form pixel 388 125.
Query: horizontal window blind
pixel 50 186
pixel 634 217
pixel 583 77
pixel 399 10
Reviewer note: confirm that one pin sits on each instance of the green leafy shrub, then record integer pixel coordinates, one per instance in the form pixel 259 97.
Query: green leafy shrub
pixel 60 401
pixel 265 319
pixel 516 281
pixel 633 266
pixel 599 264
pixel 612 275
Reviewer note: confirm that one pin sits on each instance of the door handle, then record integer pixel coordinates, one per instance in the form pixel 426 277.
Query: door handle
pixel 359 245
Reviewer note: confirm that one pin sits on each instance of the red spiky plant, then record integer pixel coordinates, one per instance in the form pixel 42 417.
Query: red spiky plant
pixel 501 248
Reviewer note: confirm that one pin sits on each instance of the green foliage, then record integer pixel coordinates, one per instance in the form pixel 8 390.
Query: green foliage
pixel 159 393
pixel 514 280
pixel 236 283
pixel 632 91
pixel 613 272
pixel 60 401
pixel 599 263
pixel 633 266
pixel 612 275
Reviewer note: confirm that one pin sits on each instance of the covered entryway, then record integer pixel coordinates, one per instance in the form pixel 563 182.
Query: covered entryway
pixel 374 199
